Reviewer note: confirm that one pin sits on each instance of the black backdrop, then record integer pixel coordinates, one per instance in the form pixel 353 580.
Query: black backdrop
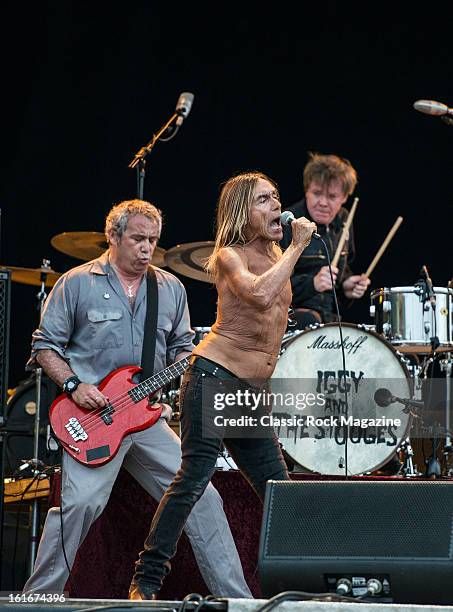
pixel 85 85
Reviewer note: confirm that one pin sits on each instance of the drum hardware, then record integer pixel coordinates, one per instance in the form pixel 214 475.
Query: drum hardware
pixel 224 460
pixel 171 397
pixel 34 276
pixel 288 336
pixel 367 327
pixel 292 322
pixel 435 429
pixel 409 469
pixel 433 469
pixel 446 366
pixel 200 333
pixel 43 277
pixel 34 529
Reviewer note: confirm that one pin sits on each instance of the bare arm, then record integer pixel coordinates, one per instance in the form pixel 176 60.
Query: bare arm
pixel 263 289
pixel 86 395
pixel 54 366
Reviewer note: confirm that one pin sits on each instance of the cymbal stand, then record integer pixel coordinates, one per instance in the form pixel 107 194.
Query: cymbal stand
pixel 34 523
pixel 408 452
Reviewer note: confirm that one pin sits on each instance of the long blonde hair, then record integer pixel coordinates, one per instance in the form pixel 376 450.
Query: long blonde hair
pixel 233 213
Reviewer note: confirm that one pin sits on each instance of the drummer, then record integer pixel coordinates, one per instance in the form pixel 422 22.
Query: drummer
pixel 328 182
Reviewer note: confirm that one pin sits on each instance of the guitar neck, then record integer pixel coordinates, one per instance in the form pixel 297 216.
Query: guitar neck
pixel 159 380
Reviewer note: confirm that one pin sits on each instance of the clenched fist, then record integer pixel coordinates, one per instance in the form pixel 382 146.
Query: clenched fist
pixel 302 230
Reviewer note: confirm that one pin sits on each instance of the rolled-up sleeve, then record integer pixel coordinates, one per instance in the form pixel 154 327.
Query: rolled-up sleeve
pixel 181 336
pixel 56 324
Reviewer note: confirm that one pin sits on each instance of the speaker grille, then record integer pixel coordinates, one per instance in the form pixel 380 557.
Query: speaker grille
pixel 314 520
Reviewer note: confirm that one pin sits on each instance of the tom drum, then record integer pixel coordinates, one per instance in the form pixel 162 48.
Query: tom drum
pixel 408 321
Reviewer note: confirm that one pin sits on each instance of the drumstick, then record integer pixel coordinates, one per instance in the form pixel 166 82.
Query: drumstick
pixel 383 246
pixel 345 232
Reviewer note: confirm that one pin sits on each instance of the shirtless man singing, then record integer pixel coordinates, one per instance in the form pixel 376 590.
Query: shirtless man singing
pixel 252 278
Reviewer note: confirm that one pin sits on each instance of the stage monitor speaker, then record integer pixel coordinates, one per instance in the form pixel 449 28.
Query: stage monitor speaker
pixel 388 540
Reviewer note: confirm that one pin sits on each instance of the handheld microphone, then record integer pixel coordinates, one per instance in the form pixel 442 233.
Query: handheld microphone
pixel 287 217
pixel 183 106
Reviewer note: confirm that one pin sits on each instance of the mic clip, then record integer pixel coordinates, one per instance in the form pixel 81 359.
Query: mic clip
pixel 424 289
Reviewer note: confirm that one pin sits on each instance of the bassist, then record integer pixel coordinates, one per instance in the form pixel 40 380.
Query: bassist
pixel 93 323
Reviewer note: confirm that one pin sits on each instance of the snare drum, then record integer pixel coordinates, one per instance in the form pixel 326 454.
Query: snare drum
pixel 406 320
pixel 311 366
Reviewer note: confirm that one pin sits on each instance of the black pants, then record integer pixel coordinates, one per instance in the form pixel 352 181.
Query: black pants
pixel 259 459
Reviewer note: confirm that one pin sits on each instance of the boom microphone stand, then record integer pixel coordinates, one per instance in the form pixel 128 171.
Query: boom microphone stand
pixel 182 110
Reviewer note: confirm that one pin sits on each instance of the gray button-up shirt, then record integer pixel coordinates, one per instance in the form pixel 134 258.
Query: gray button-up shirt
pixel 88 321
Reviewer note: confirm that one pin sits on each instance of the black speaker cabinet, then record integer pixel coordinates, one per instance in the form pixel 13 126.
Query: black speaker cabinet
pixel 345 537
pixel 5 298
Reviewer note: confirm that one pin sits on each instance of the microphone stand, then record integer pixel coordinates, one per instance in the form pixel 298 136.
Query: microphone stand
pixel 34 523
pixel 433 468
pixel 446 366
pixel 426 293
pixel 139 160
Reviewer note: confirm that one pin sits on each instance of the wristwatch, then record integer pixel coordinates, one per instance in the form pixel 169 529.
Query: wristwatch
pixel 71 384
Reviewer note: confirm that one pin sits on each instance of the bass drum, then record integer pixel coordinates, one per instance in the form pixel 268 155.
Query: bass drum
pixel 20 425
pixel 331 423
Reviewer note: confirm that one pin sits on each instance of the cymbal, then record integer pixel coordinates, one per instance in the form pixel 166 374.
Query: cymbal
pixel 189 259
pixel 33 276
pixel 89 245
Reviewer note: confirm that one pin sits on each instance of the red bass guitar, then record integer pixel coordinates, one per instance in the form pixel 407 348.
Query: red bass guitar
pixel 93 437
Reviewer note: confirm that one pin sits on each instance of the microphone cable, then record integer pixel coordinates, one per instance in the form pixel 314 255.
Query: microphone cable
pixel 340 330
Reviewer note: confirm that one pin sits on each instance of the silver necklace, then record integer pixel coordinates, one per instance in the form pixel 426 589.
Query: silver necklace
pixel 129 290
pixel 122 281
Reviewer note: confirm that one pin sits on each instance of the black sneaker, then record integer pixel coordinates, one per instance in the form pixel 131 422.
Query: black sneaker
pixel 141 594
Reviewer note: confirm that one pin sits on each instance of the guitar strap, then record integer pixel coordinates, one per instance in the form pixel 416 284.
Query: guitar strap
pixel 149 339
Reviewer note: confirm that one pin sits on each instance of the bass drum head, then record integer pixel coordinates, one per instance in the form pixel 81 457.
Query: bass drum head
pixel 330 422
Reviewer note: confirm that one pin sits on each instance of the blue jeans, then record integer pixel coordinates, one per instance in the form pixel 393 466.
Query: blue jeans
pixel 259 459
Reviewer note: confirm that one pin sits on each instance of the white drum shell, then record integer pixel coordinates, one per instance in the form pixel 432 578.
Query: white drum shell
pixel 404 318
pixel 369 358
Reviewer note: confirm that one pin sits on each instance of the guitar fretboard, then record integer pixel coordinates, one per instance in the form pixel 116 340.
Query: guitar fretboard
pixel 157 381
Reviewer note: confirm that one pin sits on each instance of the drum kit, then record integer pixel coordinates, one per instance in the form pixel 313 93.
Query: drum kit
pixel 405 358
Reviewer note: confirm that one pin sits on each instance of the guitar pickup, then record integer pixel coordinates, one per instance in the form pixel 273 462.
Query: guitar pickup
pixel 76 431
pixel 105 415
